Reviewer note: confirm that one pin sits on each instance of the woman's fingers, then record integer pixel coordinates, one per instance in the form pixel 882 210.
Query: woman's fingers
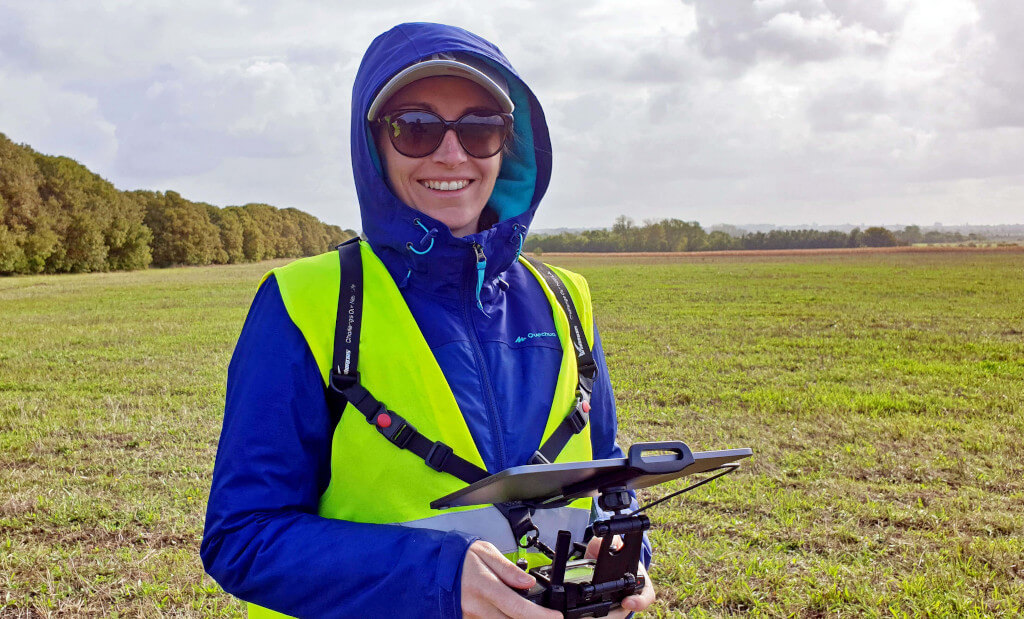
pixel 487 578
pixel 594 546
pixel 506 571
pixel 643 599
pixel 632 603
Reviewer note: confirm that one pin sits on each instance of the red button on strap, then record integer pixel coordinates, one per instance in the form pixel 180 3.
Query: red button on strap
pixel 586 407
pixel 384 420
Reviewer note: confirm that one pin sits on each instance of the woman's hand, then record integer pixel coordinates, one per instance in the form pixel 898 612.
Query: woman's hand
pixel 633 603
pixel 487 582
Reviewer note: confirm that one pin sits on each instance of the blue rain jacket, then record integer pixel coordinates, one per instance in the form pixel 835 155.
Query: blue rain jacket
pixel 493 339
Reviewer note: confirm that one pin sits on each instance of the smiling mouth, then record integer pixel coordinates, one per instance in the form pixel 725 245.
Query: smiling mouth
pixel 446 185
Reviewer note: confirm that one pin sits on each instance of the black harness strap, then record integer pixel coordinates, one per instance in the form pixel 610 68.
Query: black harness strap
pixel 350 309
pixel 347 327
pixel 344 386
pixel 577 419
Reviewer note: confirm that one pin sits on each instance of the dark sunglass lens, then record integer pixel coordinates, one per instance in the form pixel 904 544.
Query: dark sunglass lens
pixel 482 136
pixel 415 134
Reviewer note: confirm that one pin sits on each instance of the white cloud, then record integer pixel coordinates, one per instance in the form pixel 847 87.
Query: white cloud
pixel 55 123
pixel 783 111
pixel 819 37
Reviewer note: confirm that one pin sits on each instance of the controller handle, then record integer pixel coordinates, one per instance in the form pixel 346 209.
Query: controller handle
pixel 635 459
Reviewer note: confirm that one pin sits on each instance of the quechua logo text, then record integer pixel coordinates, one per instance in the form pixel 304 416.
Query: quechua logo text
pixel 530 336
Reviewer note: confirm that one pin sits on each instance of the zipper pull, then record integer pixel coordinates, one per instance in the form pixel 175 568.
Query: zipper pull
pixel 481 264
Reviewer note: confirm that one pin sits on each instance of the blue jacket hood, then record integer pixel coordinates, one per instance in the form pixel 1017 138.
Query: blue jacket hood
pixel 397 232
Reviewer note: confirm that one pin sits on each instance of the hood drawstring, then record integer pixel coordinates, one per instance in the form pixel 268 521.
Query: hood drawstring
pixel 520 232
pixel 427 236
pixel 481 264
pixel 430 234
pixel 518 236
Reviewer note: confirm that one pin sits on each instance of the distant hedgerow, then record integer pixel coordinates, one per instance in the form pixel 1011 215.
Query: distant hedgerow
pixel 56 216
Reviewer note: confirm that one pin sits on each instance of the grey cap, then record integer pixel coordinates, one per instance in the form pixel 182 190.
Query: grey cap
pixel 464 66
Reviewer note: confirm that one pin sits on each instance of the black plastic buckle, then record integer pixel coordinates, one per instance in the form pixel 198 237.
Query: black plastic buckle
pixel 538 458
pixel 576 419
pixel 438 455
pixel 518 517
pixel 380 410
pixel 340 382
pixel 399 432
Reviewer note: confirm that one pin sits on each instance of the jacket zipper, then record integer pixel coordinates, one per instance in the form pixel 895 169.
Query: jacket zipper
pixel 468 307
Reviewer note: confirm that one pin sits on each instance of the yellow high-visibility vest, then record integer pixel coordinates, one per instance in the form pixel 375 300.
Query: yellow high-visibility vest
pixel 372 480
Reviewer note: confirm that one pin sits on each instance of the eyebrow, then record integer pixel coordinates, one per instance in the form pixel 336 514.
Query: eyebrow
pixel 415 105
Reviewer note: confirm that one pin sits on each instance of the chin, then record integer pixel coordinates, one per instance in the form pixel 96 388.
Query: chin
pixel 460 223
pixel 455 221
pixel 456 217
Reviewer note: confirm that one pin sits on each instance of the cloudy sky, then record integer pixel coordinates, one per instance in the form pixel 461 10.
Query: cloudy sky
pixel 720 111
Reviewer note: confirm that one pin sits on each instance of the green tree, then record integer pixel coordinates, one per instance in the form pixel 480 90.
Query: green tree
pixel 12 254
pixel 684 235
pixel 76 202
pixel 288 234
pixel 126 236
pixel 182 230
pixel 258 233
pixel 57 216
pixel 879 237
pixel 910 235
pixel 229 223
pixel 856 238
pixel 720 240
pixel 39 244
pixel 20 208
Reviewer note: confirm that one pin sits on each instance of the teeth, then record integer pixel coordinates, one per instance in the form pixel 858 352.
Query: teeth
pixel 445 185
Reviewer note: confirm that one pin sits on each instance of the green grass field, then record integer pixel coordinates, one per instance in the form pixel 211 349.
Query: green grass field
pixel 883 395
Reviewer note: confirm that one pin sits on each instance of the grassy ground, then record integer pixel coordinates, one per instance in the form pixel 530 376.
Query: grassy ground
pixel 882 394
pixel 111 391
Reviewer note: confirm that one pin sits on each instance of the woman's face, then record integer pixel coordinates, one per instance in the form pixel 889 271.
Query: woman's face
pixel 415 181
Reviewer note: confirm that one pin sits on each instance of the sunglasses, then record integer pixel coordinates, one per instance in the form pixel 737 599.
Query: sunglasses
pixel 418 133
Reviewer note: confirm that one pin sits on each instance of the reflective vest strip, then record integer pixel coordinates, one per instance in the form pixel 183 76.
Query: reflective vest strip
pixel 487 523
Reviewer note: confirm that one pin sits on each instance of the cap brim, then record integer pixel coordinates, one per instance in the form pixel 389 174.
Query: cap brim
pixel 435 68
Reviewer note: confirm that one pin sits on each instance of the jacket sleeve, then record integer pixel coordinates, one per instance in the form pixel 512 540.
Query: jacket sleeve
pixel 263 540
pixel 604 427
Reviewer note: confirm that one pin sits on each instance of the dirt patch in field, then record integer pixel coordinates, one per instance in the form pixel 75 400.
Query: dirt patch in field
pixel 15 508
pixel 95 537
pixel 21 464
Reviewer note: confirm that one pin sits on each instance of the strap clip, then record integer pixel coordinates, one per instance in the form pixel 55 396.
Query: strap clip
pixel 340 382
pixel 576 419
pixel 438 455
pixel 393 426
pixel 538 458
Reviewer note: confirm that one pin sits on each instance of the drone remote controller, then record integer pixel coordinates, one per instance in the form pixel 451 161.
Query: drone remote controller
pixel 572 584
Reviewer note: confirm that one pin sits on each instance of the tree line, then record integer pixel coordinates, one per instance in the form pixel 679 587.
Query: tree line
pixel 56 216
pixel 674 235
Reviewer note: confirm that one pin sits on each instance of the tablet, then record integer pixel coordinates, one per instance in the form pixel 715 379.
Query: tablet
pixel 553 485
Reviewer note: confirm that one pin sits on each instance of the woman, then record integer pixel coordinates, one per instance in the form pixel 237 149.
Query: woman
pixel 313 515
